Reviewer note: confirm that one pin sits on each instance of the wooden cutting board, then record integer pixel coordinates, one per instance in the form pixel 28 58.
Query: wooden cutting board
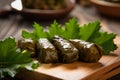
pixel 108 66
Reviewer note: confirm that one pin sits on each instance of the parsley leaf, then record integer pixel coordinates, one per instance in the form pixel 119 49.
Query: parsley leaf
pixel 91 33
pixel 37 33
pixel 26 34
pixel 88 30
pixel 106 41
pixel 55 29
pixel 71 29
pixel 12 59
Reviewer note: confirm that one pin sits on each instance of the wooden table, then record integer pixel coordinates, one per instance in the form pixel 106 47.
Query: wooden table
pixel 107 67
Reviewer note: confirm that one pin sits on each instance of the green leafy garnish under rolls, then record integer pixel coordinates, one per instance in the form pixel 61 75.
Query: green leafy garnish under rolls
pixel 72 30
pixel 11 58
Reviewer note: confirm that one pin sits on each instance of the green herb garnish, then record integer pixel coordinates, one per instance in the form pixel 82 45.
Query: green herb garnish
pixel 11 58
pixel 72 30
pixel 91 33
pixel 37 33
pixel 55 29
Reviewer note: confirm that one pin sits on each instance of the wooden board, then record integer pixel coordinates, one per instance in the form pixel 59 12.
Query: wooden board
pixel 108 66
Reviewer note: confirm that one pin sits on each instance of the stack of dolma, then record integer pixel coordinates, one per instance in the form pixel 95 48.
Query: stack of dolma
pixel 61 50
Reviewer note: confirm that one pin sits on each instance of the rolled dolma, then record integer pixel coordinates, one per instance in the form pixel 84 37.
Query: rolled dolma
pixel 26 44
pixel 88 52
pixel 46 51
pixel 66 51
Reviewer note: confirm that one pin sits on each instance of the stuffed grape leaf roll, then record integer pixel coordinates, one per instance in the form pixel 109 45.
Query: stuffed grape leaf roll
pixel 88 52
pixel 66 51
pixel 47 53
pixel 26 44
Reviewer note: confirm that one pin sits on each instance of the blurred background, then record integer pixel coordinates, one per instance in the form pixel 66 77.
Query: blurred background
pixel 16 15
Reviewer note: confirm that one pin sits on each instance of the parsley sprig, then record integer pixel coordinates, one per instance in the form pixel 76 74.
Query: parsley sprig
pixel 72 30
pixel 11 59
